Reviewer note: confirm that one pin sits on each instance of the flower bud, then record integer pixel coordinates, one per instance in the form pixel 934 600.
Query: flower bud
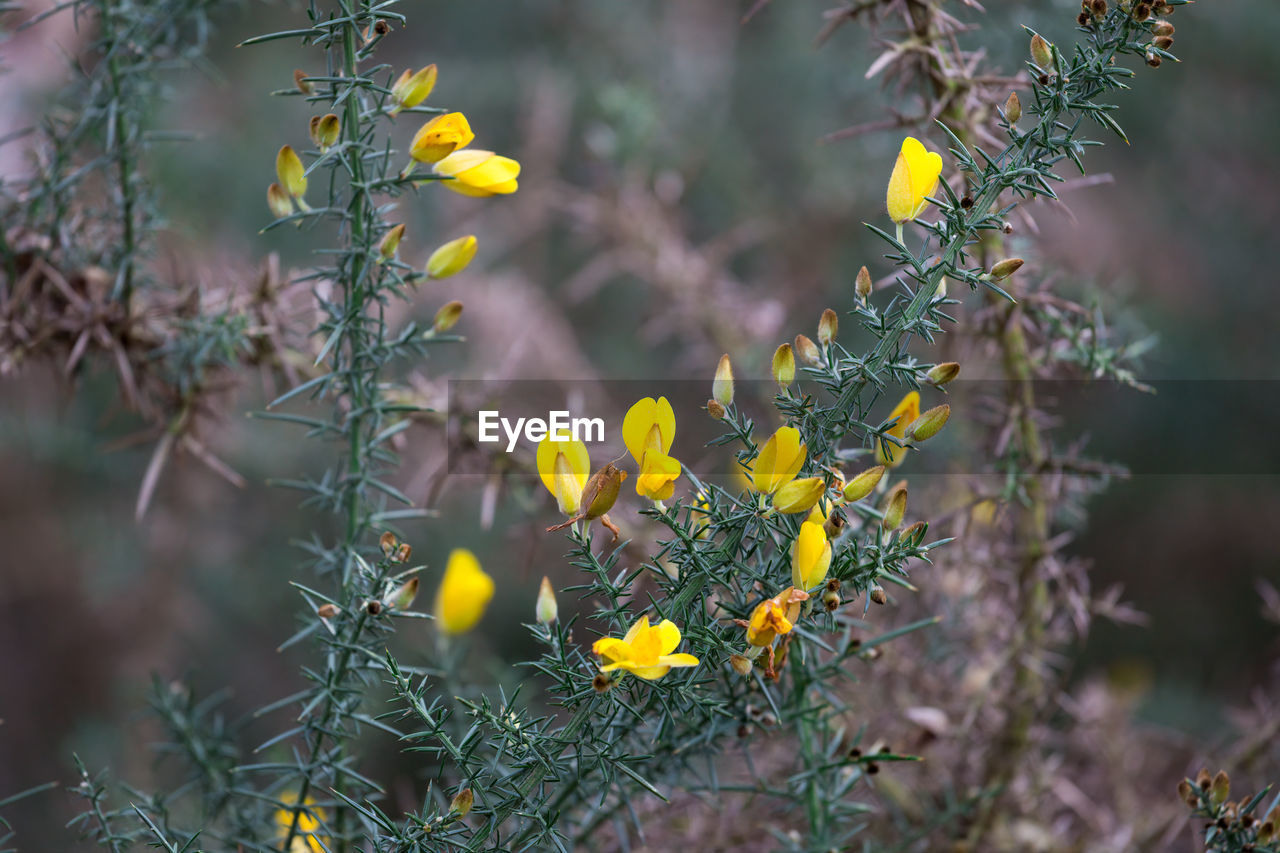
pixel 800 495
pixel 715 409
pixel 895 507
pixel 1164 28
pixel 402 596
pixel 326 132
pixel 388 542
pixel 300 80
pixel 390 242
pixel 1098 8
pixel 412 89
pixel 1041 52
pixel 327 611
pixel 941 374
pixel 876 593
pixel 278 202
pixel 830 601
pixel 440 137
pixel 915 529
pixel 722 385
pixel 1220 788
pixel 741 664
pixel 546 608
pixel 452 258
pixel 1013 108
pixel 806 350
pixel 863 284
pixel 929 424
pixel 1187 794
pixel 602 682
pixel 290 173
pixel 447 316
pixel 1141 11
pixel 402 553
pixel 1162 42
pixel 828 325
pixel 784 366
pixel 373 607
pixel 863 484
pixel 1005 268
pixel 462 802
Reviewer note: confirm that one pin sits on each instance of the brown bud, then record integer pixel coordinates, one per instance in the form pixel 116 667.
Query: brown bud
pixel 1098 8
pixel 830 601
pixel 601 683
pixel 388 542
pixel 300 80
pixel 1204 780
pixel 403 552
pixel 941 374
pixel 862 286
pixel 462 802
pixel 806 350
pixel 1163 42
pixel 447 316
pixel 1164 28
pixel 741 664
pixel 1186 793
pixel 381 28
pixel 833 584
pixel 1013 108
pixel 1154 60
pixel 715 409
pixel 1041 52
pixel 1220 788
pixel 1141 11
pixel 876 593
pixel 915 529
pixel 373 607
pixel 327 611
pixel 828 325
pixel 1084 19
pixel 1004 269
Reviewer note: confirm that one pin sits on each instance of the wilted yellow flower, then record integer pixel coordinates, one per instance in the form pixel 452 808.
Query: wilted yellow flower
pixel 310 819
pixel 810 556
pixel 279 202
pixel 915 177
pixel 779 461
pixel 479 173
pixel 440 137
pixel 774 616
pixel 722 385
pixel 412 88
pixel 290 173
pixel 452 258
pixel 905 413
pixel 564 467
pixel 648 430
pixel 645 651
pixel 799 495
pixel 465 592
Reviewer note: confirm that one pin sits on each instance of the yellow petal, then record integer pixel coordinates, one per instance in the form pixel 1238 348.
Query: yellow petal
pixel 647 672
pixel 658 476
pixel 926 168
pixel 810 556
pixel 907 410
pixel 465 592
pixel 479 173
pixel 779 461
pixel 680 659
pixel 641 626
pixel 898 200
pixel 290 172
pixel 452 258
pixel 668 637
pixel 564 467
pixel 638 424
pixel 440 137
pixel 799 495
pixel 612 649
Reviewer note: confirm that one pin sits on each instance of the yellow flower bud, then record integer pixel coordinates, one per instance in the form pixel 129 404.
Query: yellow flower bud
pixel 390 242
pixel 1041 52
pixel 1220 788
pixel 863 484
pixel 479 173
pixel 929 424
pixel 326 131
pixel 462 802
pixel 278 201
pixel 810 556
pixel 1013 108
pixel 863 284
pixel 895 507
pixel 828 325
pixel 290 173
pixel 941 374
pixel 440 137
pixel 722 385
pixel 402 596
pixel 546 608
pixel 412 88
pixel 799 495
pixel 1005 268
pixel 806 350
pixel 447 316
pixel 464 593
pixel 452 258
pixel 915 177
pixel 784 366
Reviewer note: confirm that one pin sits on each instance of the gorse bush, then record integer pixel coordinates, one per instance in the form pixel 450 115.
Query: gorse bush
pixel 720 667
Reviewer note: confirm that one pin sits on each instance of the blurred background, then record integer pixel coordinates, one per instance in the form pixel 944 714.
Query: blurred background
pixel 682 196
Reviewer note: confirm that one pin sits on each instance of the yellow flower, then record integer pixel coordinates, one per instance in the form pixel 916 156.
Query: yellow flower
pixel 645 651
pixel 658 475
pixel 774 616
pixel 412 89
pixel 648 430
pixel 810 556
pixel 440 137
pixel 464 593
pixel 779 461
pixel 290 172
pixel 907 410
pixel 564 467
pixel 310 819
pixel 479 173
pixel 452 258
pixel 799 495
pixel 915 177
